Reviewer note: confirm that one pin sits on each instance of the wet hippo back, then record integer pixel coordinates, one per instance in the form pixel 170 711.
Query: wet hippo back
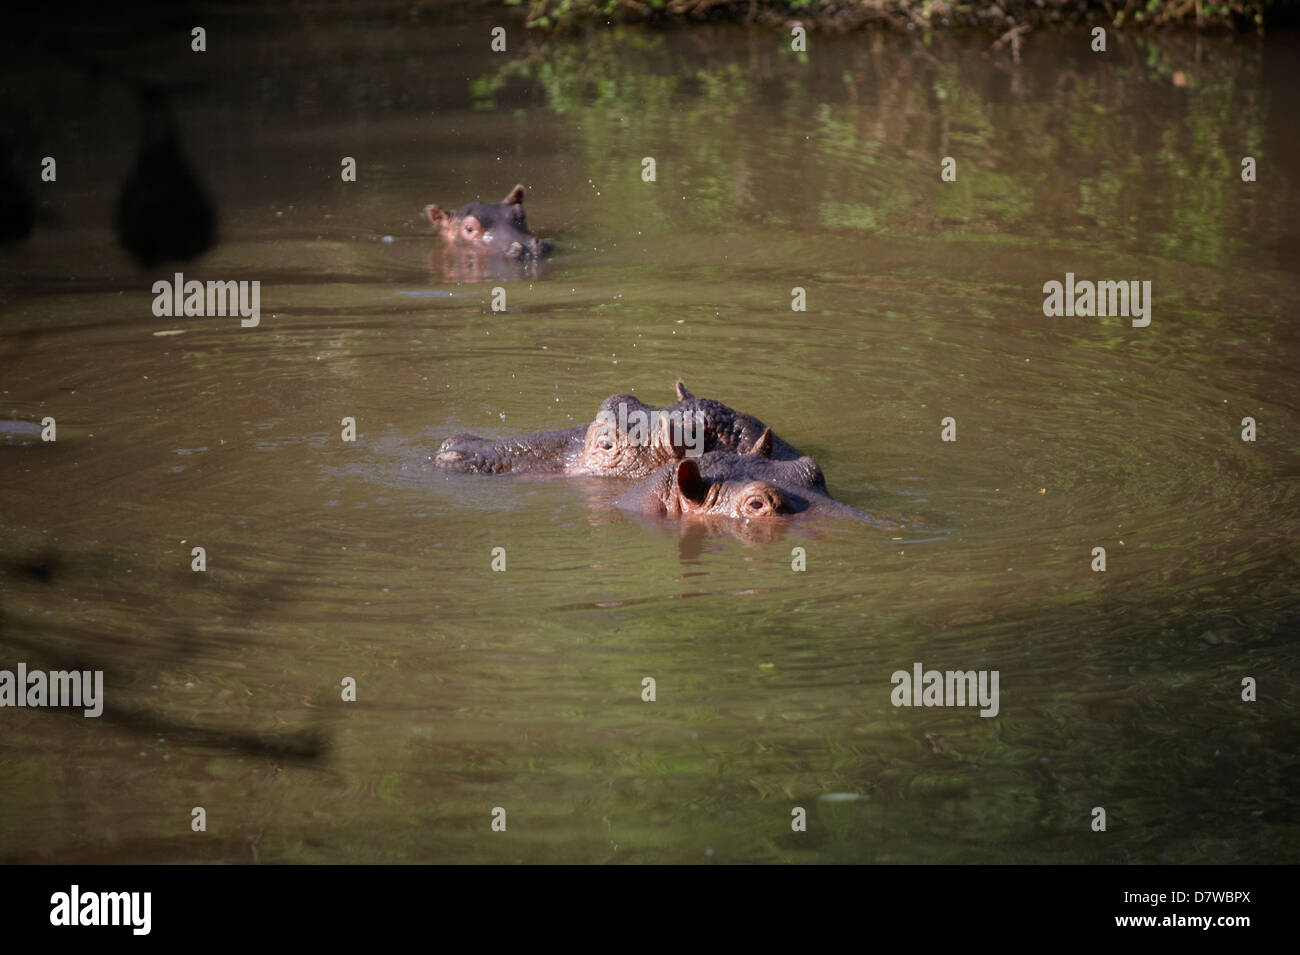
pixel 628 438
pixel 618 443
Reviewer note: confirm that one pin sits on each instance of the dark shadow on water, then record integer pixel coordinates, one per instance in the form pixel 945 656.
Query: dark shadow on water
pixel 34 647
pixel 163 213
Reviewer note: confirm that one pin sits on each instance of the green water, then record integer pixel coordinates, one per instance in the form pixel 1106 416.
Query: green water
pixel 523 690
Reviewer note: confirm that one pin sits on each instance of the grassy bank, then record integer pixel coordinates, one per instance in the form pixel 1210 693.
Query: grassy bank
pixel 919 14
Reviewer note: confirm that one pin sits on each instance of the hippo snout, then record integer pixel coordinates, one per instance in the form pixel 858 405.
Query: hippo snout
pixel 457 449
pixel 531 248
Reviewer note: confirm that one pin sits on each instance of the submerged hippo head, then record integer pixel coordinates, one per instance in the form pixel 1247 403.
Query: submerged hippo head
pixel 726 485
pixel 692 494
pixel 495 227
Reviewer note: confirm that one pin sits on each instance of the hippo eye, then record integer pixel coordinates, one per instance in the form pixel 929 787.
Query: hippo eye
pixel 605 444
pixel 759 504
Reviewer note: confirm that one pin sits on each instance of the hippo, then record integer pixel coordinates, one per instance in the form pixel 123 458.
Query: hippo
pixel 745 486
pixel 629 439
pixel 491 227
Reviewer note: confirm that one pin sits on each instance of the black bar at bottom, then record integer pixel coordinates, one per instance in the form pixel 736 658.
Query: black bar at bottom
pixel 330 904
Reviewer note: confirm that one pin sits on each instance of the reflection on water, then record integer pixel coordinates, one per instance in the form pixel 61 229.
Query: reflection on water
pixel 522 689
pixel 456 266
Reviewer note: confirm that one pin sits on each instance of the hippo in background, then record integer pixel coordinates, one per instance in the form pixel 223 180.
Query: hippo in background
pixel 499 227
pixel 613 446
pixel 749 486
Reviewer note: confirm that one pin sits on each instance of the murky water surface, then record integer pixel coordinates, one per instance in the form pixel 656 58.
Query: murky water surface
pixel 522 689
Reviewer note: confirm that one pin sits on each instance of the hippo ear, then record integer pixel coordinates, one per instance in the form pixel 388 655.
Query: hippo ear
pixel 763 445
pixel 690 485
pixel 515 198
pixel 682 393
pixel 436 216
